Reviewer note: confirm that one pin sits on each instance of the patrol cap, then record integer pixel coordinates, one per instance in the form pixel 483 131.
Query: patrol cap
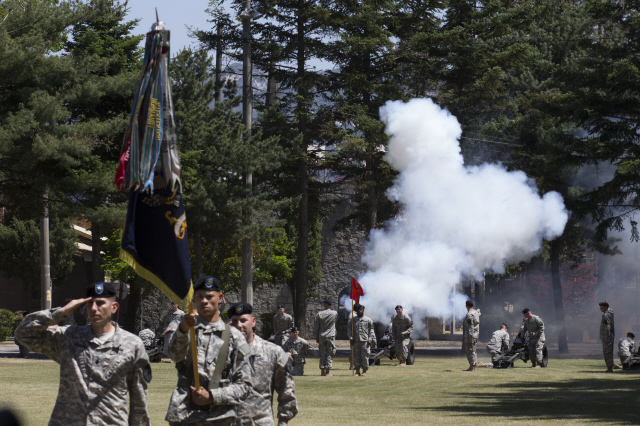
pixel 105 289
pixel 358 306
pixel 326 302
pixel 240 309
pixel 280 306
pixel 398 307
pixel 295 329
pixel 605 303
pixel 526 310
pixel 207 283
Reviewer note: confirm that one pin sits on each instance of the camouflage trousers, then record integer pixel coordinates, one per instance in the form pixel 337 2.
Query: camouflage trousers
pixel 327 349
pixel 223 422
pixel 495 354
pixel 402 348
pixel 281 338
pixel 361 353
pixel 607 350
pixel 298 367
pixel 624 358
pixel 470 349
pixel 535 351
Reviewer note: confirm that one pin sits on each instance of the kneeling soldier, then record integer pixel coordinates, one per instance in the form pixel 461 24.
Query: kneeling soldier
pixel 223 367
pixel 499 343
pixel 271 371
pixel 99 363
pixel 625 346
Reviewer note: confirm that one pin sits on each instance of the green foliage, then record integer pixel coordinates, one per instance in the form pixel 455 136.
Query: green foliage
pixel 266 320
pixel 8 323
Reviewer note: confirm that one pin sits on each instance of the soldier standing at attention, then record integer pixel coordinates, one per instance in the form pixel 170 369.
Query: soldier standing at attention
pixel 607 334
pixel 324 328
pixel 281 323
pixel 297 349
pixel 535 327
pixel 625 346
pixel 363 330
pixel 499 343
pixel 224 383
pixel 99 362
pixel 401 328
pixel 271 371
pixel 148 337
pixel 471 333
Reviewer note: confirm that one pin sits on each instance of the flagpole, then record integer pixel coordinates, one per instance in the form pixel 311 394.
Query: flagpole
pixel 194 352
pixel 353 370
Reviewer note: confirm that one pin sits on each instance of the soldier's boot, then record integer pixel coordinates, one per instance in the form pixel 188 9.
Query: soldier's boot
pixel 364 372
pixel 357 371
pixel 481 364
pixel 323 372
pixel 471 368
pixel 617 367
pixel 328 372
pixel 402 364
pixel 536 366
pixel 609 370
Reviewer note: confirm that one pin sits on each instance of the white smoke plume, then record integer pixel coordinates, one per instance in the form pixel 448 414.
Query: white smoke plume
pixel 456 221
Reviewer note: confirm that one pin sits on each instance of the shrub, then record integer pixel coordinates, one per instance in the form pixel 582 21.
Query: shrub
pixel 8 323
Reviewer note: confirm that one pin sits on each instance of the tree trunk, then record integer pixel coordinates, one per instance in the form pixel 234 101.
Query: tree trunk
pixel 197 250
pixel 134 309
pixel 96 244
pixel 557 296
pixel 218 93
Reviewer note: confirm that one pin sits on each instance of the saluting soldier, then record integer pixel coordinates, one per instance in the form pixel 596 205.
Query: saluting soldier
pixel 499 343
pixel 298 349
pixel 471 333
pixel 401 328
pixel 271 371
pixel 607 334
pixel 324 328
pixel 281 323
pixel 223 366
pixel 534 326
pixel 361 339
pixel 99 363
pixel 625 346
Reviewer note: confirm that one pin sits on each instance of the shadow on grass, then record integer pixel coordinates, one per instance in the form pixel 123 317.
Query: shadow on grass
pixel 590 400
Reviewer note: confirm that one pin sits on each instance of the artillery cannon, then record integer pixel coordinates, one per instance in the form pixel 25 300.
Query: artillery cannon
pixel 634 362
pixel 386 347
pixel 519 350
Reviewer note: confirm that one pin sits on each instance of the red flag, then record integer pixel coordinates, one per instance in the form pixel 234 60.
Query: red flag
pixel 356 290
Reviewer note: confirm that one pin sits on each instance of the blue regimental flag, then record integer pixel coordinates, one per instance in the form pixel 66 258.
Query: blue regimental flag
pixel 154 240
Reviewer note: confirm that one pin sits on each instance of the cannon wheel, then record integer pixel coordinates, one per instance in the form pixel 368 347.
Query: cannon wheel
pixel 545 356
pixel 412 356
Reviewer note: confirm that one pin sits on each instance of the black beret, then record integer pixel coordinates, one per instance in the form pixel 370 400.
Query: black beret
pixel 105 289
pixel 280 306
pixel 469 303
pixel 295 329
pixel 147 325
pixel 326 302
pixel 240 309
pixel 398 306
pixel 207 283
pixel 358 306
pixel 604 304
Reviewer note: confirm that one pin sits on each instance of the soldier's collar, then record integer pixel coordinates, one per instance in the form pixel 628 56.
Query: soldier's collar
pixel 210 326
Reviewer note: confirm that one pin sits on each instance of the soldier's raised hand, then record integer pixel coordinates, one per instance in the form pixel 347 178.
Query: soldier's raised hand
pixel 73 305
pixel 188 321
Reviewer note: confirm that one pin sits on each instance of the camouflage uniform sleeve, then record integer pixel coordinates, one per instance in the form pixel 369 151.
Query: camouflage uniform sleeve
pixel 179 346
pixel 394 329
pixel 240 378
pixel 33 333
pixel 410 328
pixel 372 334
pixel 290 321
pixel 285 387
pixel 506 342
pixel 138 381
pixel 349 327
pixel 541 327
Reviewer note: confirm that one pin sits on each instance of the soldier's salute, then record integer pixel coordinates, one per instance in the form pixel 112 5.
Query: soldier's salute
pixel 99 362
pixel 534 326
pixel 401 328
pixel 361 338
pixel 281 323
pixel 324 328
pixel 607 334
pixel 298 349
pixel 470 334
pixel 271 371
pixel 224 383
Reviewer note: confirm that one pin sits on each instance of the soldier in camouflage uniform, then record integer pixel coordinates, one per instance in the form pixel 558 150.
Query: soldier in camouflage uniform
pixel 470 334
pixel 534 326
pixel 175 314
pixel 625 347
pixel 362 327
pixel 99 363
pixel 607 334
pixel 271 371
pixel 298 349
pixel 147 336
pixel 214 402
pixel 499 343
pixel 324 328
pixel 281 324
pixel 401 328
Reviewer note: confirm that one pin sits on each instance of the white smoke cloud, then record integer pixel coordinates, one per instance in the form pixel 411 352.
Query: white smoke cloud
pixel 456 221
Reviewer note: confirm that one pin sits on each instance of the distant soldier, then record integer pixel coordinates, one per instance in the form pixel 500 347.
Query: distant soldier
pixel 499 343
pixel 607 334
pixel 298 349
pixel 271 371
pixel 625 347
pixel 534 326
pixel 324 329
pixel 281 324
pixel 401 328
pixel 470 334
pixel 99 363
pixel 224 383
pixel 147 335
pixel 175 314
pixel 361 338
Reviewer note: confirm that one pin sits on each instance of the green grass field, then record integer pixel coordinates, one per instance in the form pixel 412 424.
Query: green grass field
pixel 435 390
